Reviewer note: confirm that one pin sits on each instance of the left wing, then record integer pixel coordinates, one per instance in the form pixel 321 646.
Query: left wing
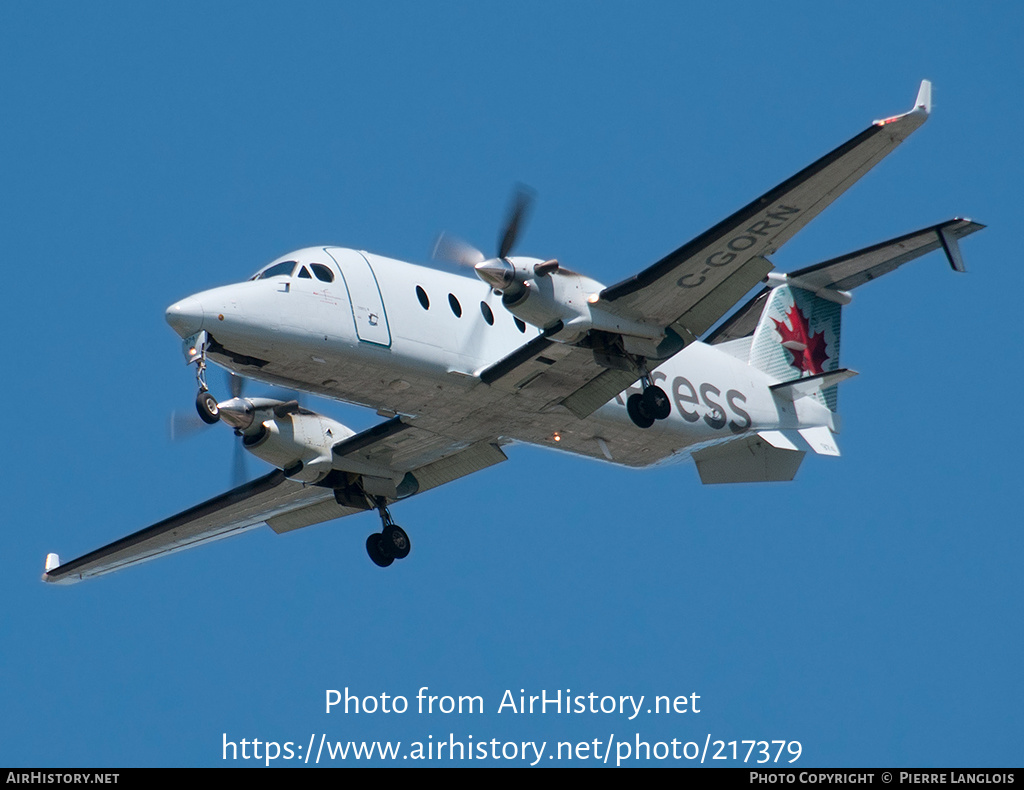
pixel 691 288
pixel 687 292
pixel 392 448
pixel 558 374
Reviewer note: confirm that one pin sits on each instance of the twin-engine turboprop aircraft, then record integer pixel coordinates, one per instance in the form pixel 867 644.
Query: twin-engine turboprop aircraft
pixel 460 369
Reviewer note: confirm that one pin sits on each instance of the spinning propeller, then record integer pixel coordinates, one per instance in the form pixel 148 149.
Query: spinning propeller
pixel 238 412
pixel 501 272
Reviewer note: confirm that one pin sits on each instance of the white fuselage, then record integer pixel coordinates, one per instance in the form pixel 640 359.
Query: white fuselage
pixel 411 340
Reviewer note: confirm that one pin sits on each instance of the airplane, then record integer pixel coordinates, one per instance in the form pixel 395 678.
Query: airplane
pixel 642 372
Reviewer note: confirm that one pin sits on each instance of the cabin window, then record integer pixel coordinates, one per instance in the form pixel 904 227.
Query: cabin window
pixel 322 273
pixel 454 304
pixel 488 315
pixel 422 296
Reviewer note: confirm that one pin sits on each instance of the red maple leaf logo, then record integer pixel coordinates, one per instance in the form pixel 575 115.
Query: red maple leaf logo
pixel 808 352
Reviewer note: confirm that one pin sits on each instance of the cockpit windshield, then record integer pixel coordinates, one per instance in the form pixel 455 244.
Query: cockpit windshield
pixel 284 268
pixel 288 268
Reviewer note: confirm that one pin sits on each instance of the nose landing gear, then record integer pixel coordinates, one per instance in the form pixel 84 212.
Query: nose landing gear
pixel 195 353
pixel 207 407
pixel 391 543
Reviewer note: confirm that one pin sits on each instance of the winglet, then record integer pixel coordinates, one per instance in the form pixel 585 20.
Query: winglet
pixel 924 98
pixel 52 561
pixel 922 105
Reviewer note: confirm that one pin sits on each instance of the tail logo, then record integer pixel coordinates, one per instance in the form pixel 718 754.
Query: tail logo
pixel 808 350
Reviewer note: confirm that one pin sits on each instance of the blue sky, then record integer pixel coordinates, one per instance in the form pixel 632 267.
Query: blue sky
pixel 870 609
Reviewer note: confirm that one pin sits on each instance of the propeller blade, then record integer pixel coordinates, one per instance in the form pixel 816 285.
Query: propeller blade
pixel 182 425
pixel 239 469
pixel 498 273
pixel 517 214
pixel 449 247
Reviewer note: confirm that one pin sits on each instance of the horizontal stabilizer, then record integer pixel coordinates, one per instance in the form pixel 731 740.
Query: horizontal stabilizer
pixel 802 388
pixel 857 268
pixel 854 269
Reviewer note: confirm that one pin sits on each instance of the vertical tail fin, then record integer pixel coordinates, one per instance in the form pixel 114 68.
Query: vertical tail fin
pixel 798 332
pixel 798 336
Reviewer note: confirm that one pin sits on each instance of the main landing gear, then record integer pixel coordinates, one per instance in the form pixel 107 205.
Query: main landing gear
pixel 391 543
pixel 647 406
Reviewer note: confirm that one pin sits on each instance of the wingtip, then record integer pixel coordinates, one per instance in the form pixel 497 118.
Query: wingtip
pixel 52 561
pixel 922 107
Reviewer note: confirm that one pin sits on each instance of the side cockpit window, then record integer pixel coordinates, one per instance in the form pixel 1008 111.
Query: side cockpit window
pixel 322 273
pixel 304 274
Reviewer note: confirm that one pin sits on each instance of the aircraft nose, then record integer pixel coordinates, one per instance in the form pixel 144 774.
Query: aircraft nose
pixel 185 317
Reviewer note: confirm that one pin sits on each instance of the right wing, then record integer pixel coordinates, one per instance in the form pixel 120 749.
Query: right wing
pixel 239 510
pixel 428 459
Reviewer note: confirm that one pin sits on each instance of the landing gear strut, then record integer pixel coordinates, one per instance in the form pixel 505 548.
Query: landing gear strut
pixel 650 405
pixel 391 543
pixel 206 404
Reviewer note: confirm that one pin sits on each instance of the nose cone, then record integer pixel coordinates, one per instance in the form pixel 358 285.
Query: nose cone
pixel 185 317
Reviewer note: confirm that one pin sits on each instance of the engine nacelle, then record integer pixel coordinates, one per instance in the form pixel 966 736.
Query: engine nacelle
pixel 299 443
pixel 560 296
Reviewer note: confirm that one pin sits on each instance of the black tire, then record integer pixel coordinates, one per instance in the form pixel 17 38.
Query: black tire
pixel 638 412
pixel 375 548
pixel 206 405
pixel 656 403
pixel 395 541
